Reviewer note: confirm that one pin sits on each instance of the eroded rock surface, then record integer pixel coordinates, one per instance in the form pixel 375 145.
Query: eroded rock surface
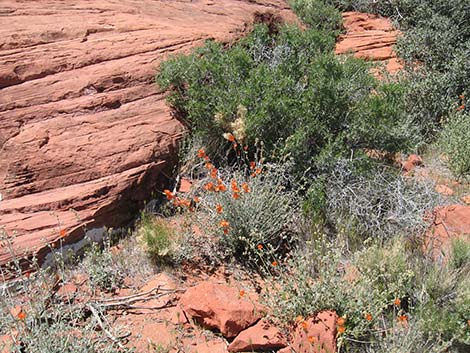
pixel 84 134
pixel 370 37
pixel 218 306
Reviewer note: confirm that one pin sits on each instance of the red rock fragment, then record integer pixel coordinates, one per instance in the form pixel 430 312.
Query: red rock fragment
pixel 260 337
pixel 220 307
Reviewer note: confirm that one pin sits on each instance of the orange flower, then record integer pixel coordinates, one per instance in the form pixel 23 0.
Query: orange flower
pixel 185 203
pixel 245 187
pixel 311 339
pixel 462 96
pixel 341 321
pixel 221 187
pixel 197 199
pixel 225 231
pixel 274 263
pixel 258 170
pixel 236 195
pixel 209 186
pixel 21 315
pixel 219 208
pixel 229 136
pixel 201 153
pixel 206 158
pixel 209 166
pixel 224 224
pixel 462 107
pixel 252 165
pixel 403 318
pixel 341 329
pixel 242 293
pixel 304 324
pixel 397 302
pixel 260 246
pixel 368 317
pixel 234 185
pixel 169 194
pixel 63 233
pixel 214 173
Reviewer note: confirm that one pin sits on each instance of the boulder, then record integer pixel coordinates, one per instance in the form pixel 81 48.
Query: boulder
pixel 85 134
pixel 450 222
pixel 220 307
pixel 260 337
pixel 412 162
pixel 370 37
pixel 316 334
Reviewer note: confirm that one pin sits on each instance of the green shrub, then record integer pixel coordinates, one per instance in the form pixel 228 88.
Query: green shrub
pixel 460 253
pixel 291 92
pixel 157 237
pixel 436 35
pixel 455 143
pixel 318 14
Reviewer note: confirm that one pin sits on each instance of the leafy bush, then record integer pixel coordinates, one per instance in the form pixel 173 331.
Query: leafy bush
pixel 383 292
pixel 291 92
pixel 436 35
pixel 455 143
pixel 318 14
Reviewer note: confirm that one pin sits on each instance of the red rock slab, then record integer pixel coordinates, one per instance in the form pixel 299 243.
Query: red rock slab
pixel 218 306
pixel 316 334
pixel 260 337
pixel 370 37
pixel 450 222
pixel 85 135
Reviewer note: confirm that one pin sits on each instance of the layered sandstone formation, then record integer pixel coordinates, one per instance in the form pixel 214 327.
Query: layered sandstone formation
pixel 85 136
pixel 370 37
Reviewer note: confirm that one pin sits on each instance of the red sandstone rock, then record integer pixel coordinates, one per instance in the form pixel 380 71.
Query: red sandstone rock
pixel 466 199
pixel 218 306
pixel 444 190
pixel 316 335
pixel 209 347
pixel 67 292
pixel 450 222
pixel 85 136
pixel 413 161
pixel 370 37
pixel 260 337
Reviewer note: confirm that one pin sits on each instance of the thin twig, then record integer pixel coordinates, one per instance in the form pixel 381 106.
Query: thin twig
pixel 96 315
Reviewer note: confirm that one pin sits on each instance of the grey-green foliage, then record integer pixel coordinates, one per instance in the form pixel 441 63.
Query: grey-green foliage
pixel 369 199
pixel 102 268
pixel 325 275
pixel 267 215
pixel 455 143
